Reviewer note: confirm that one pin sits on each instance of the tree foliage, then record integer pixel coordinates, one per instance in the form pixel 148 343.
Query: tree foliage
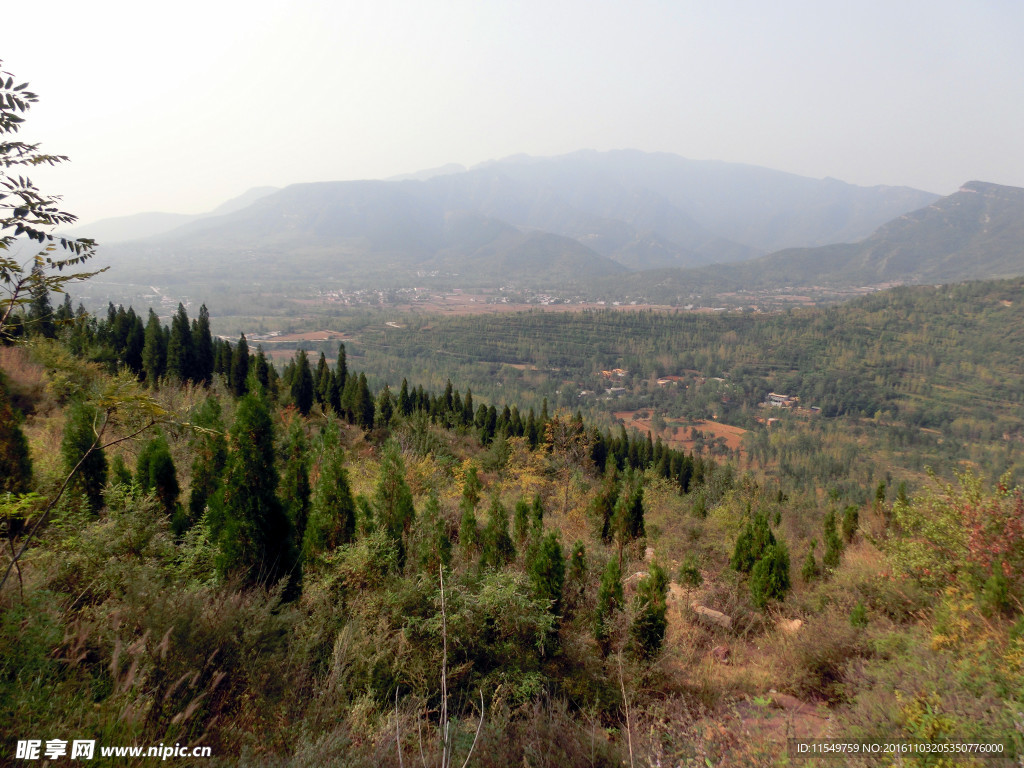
pixel 28 216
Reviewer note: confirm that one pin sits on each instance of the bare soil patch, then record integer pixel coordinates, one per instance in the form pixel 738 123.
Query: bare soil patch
pixel 677 433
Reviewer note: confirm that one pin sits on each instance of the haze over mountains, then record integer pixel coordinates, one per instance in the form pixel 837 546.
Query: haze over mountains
pixel 581 217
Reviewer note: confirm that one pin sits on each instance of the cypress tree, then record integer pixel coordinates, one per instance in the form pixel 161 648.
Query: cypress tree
pixel 261 369
pixel 209 457
pixel 547 572
pixel 135 342
pixel 341 368
pixel 364 406
pixel 498 549
pixel 302 383
pixel 247 521
pixel 40 311
pixel 393 499
pixel 202 348
pixel 609 600
pixel 332 520
pixel 155 472
pixel 180 365
pixel 404 402
pixel 240 367
pixel 322 382
pixel 15 463
pixel 295 488
pixel 650 620
pixel 432 545
pixel 154 353
pixel 385 407
pixel 79 438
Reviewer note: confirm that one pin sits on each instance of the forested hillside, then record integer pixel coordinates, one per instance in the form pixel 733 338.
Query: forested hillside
pixel 300 567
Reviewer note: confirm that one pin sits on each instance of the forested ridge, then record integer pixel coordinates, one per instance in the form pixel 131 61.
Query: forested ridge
pixel 602 592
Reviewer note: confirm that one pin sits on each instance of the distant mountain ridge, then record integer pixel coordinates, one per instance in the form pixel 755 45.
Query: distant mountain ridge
pixel 603 213
pixel 139 226
pixel 977 233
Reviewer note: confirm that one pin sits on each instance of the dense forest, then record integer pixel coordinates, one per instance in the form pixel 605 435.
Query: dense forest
pixel 301 567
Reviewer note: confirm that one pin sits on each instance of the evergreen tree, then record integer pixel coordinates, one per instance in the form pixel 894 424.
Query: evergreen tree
pixel 15 463
pixel 154 353
pixel 393 499
pixel 433 547
pixel 254 534
pixel 364 406
pixel 261 369
pixel 295 488
pixel 547 572
pixel 752 543
pixel 385 407
pixel 769 579
pixel 521 521
pixel 209 457
pixel 689 572
pixel 602 508
pixel 322 382
pixel 155 472
pixel 40 311
pixel 80 444
pixel 135 342
pixel 404 401
pixel 833 544
pixel 302 383
pixel 341 368
pixel 240 367
pixel 609 600
pixel 650 620
pixel 498 549
pixel 180 356
pixel 332 521
pixel 202 348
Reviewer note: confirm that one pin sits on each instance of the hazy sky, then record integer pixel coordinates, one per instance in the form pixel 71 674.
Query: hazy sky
pixel 180 106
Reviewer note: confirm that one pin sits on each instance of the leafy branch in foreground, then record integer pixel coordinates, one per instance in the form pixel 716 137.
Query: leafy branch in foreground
pixel 28 215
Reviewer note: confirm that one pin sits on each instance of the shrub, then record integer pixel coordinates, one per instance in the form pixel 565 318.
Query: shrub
pixel 769 579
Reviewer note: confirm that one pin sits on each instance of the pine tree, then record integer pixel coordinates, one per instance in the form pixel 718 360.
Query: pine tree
pixel 295 489
pixel 40 311
pixel 332 520
pixel 385 407
pixel 751 544
pixel 240 367
pixel 392 498
pixel 135 342
pixel 341 368
pixel 180 356
pixel 432 546
pixel 302 383
pixel 209 457
pixel 15 463
pixel 609 600
pixel 322 382
pixel 650 620
pixel 521 521
pixel 154 353
pixel 155 472
pixel 769 579
pixel 254 534
pixel 547 572
pixel 261 369
pixel 498 549
pixel 364 406
pixel 202 348
pixel 404 401
pixel 80 445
